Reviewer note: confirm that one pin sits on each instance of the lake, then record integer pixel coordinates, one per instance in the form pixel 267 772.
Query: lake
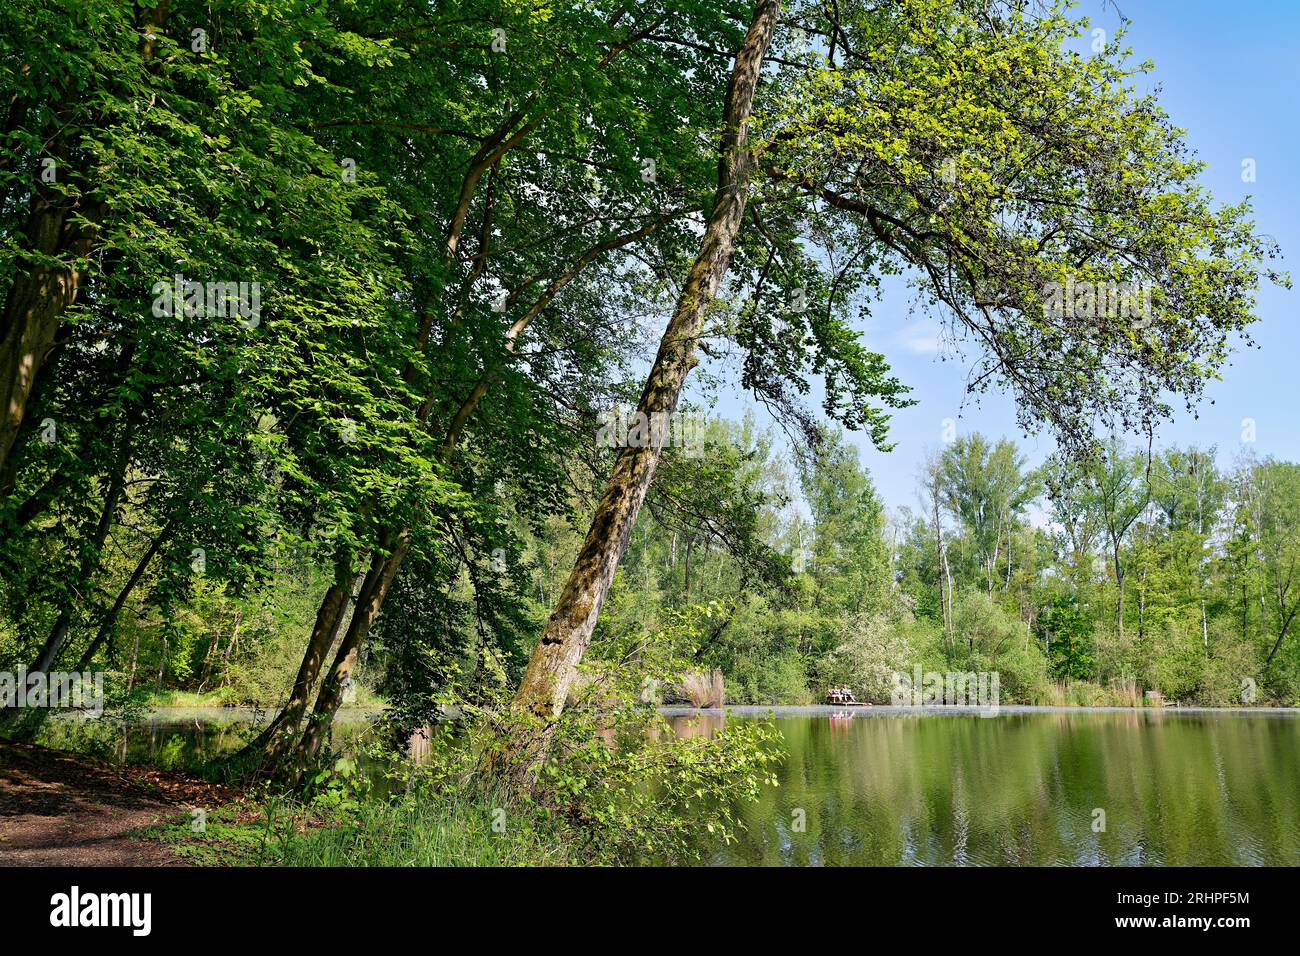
pixel 934 787
pixel 885 787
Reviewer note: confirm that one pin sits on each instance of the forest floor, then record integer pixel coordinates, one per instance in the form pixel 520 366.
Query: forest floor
pixel 65 809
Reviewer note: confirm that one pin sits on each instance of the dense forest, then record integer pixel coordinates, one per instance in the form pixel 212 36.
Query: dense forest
pixel 317 314
pixel 794 577
pixel 1089 584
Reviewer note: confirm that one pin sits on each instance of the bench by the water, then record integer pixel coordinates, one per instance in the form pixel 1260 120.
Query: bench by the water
pixel 843 697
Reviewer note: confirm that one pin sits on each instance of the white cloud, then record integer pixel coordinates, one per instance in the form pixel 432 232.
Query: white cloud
pixel 921 337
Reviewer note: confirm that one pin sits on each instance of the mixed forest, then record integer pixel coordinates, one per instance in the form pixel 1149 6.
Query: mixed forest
pixel 313 312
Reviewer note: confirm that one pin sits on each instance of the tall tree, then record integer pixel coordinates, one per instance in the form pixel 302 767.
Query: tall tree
pixel 1120 488
pixel 986 488
pixel 551 670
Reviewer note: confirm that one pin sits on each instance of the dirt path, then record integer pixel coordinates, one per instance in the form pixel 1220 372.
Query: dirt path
pixel 61 809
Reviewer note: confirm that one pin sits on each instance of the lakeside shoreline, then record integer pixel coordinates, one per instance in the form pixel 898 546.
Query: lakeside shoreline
pixel 356 714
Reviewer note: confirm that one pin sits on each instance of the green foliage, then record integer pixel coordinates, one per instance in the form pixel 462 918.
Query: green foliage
pixel 416 828
pixel 1066 632
pixel 617 781
pixel 875 647
pixel 422 828
pixel 459 246
pixel 229 838
pixel 992 640
pixel 925 137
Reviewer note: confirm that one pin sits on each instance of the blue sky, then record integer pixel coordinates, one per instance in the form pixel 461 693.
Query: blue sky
pixel 1230 75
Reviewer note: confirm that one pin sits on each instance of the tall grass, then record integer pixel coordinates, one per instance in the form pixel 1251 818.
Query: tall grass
pixel 421 829
pixel 1119 692
pixel 1125 690
pixel 704 688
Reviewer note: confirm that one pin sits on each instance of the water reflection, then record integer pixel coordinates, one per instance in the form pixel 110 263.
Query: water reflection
pixel 178 739
pixel 882 788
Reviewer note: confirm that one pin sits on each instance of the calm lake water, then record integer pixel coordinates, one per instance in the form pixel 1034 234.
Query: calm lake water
pixel 877 787
pixel 881 786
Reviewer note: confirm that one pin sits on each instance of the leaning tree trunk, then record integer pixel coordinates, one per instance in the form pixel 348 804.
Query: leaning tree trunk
pixel 379 578
pixel 277 738
pixel 1286 626
pixel 21 724
pixel 551 669
pixel 109 623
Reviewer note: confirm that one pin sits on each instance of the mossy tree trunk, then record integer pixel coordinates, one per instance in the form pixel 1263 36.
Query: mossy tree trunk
pixel 551 670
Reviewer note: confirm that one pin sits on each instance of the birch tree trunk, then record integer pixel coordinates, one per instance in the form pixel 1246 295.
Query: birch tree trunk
pixel 551 670
pixel 135 658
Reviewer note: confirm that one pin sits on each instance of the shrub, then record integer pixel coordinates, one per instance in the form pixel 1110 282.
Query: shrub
pixel 875 647
pixel 991 639
pixel 616 781
pixel 704 688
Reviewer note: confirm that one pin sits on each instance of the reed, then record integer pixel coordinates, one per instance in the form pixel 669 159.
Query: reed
pixel 704 688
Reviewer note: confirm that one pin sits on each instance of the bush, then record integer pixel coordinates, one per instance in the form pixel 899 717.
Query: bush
pixel 1231 663
pixel 988 638
pixel 1177 665
pixel 875 647
pixel 781 678
pixel 616 781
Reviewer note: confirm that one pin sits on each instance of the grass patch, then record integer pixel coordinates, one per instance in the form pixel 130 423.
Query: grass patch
pixel 230 837
pixel 408 830
pixel 428 831
pixel 217 697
